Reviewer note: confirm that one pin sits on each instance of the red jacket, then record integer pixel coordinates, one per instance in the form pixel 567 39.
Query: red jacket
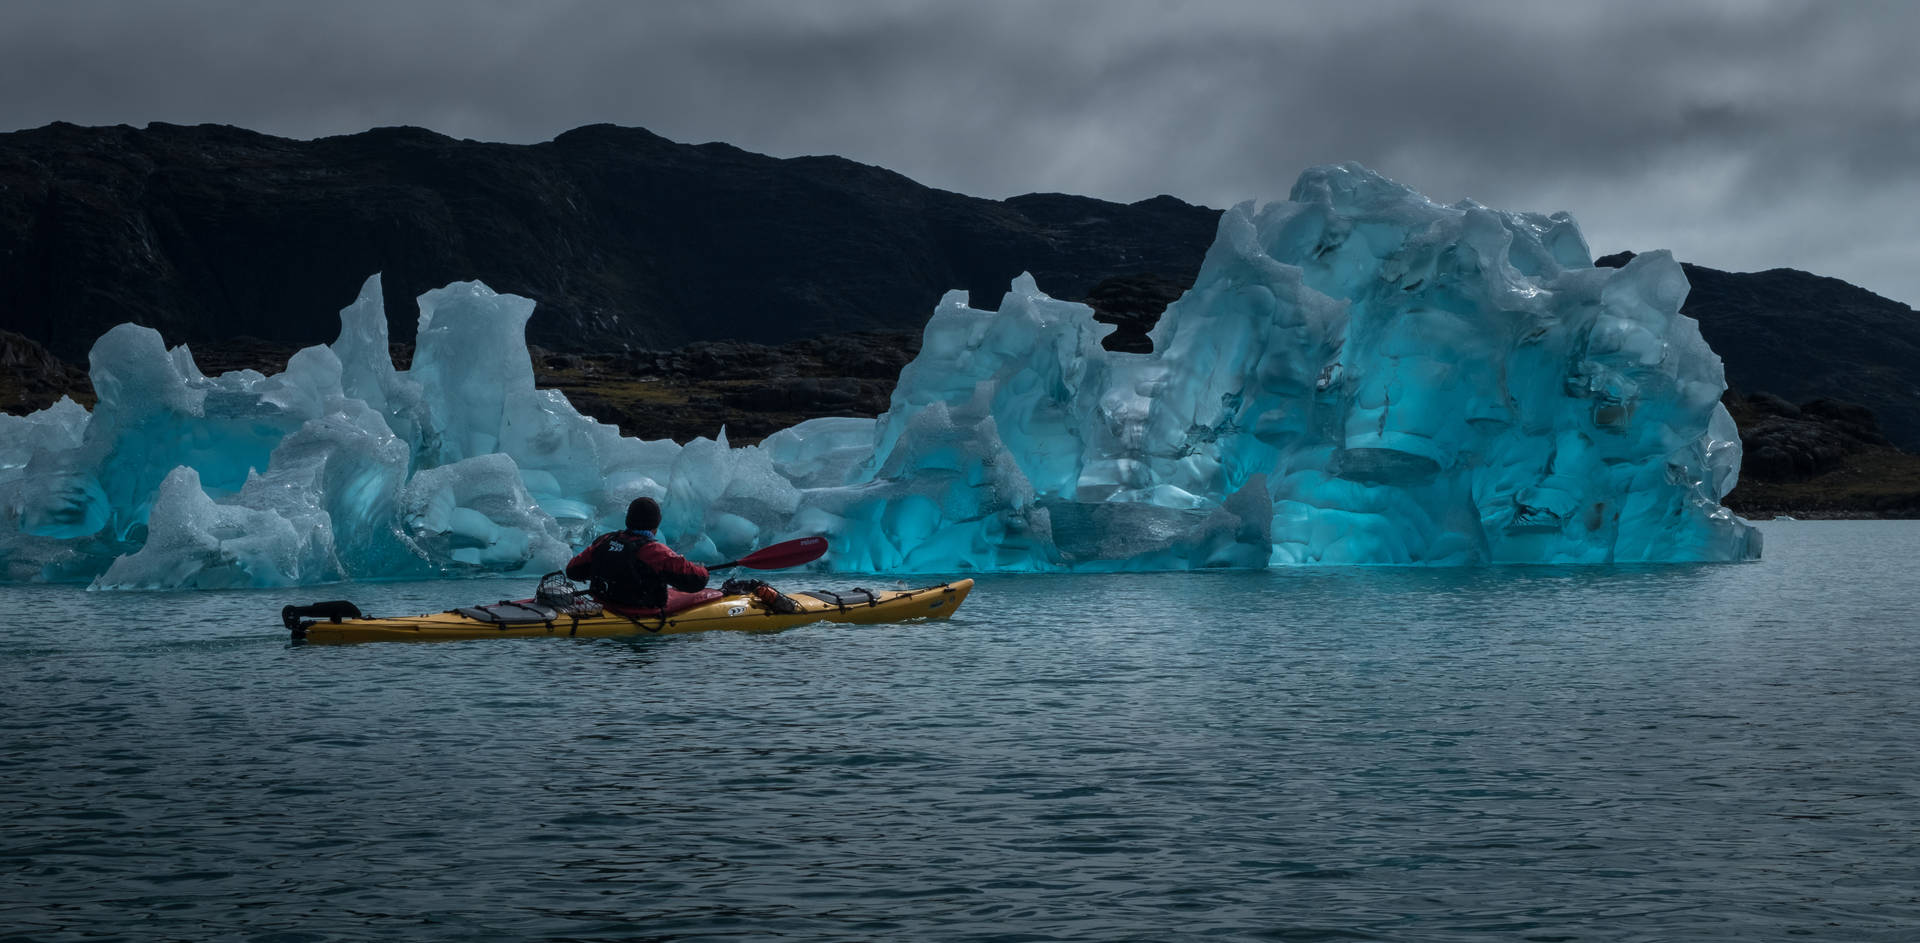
pixel 632 569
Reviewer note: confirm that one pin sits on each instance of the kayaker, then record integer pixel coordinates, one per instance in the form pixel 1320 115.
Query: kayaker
pixel 631 569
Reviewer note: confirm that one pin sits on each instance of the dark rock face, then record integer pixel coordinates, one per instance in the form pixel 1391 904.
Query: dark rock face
pixel 625 239
pixel 33 379
pixel 1805 337
pixel 1783 442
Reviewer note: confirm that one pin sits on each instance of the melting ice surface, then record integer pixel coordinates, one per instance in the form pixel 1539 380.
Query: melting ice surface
pixel 1359 376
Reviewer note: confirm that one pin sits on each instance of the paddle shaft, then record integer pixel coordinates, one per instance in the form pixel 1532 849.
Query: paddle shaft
pixel 780 555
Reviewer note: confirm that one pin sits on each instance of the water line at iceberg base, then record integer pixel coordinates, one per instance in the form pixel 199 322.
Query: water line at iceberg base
pixel 1358 376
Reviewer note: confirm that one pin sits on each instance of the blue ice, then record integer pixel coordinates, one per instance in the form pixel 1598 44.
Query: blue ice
pixel 1358 376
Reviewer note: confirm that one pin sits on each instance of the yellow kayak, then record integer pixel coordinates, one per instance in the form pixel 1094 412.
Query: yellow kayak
pixel 338 622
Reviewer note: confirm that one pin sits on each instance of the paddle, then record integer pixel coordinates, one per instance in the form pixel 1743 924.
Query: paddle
pixel 780 555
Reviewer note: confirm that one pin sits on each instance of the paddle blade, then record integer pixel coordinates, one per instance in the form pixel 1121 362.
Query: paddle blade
pixel 785 554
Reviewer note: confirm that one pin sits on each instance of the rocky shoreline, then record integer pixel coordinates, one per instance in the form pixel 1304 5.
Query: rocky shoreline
pixel 1821 459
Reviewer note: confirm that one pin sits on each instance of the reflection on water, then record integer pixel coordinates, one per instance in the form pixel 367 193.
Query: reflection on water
pixel 1717 752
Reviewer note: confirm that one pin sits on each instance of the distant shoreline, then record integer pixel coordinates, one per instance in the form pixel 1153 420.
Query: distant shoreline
pixel 1805 516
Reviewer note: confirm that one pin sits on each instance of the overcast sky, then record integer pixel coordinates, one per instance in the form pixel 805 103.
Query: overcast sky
pixel 1741 135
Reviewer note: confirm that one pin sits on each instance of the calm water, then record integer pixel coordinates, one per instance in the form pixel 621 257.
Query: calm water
pixel 1686 753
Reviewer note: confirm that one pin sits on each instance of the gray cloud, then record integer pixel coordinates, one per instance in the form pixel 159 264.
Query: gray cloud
pixel 1742 135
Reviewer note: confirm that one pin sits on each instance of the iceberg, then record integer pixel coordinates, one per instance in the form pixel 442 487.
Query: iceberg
pixel 1358 376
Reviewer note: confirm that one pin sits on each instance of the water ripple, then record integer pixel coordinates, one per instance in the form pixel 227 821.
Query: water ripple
pixel 1699 753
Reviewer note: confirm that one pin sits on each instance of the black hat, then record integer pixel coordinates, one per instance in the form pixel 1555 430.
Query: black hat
pixel 643 514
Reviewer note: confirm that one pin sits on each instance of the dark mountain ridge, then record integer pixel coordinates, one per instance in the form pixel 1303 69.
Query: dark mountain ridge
pixel 626 239
pixel 226 238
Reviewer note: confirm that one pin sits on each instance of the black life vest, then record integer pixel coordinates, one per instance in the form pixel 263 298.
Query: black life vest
pixel 617 575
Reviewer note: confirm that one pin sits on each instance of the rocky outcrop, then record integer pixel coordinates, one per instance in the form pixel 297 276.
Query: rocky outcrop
pixel 1822 458
pixel 1784 442
pixel 31 378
